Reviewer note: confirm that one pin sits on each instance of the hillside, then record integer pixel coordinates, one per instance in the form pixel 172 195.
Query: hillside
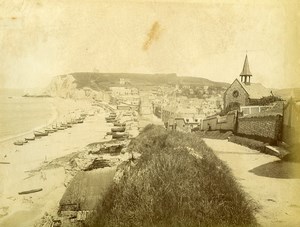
pixel 91 84
pixel 287 93
pixel 102 81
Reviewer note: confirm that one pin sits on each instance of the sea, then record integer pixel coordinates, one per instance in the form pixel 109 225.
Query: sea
pixel 21 115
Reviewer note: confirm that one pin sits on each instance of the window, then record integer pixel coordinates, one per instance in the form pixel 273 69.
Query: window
pixel 235 93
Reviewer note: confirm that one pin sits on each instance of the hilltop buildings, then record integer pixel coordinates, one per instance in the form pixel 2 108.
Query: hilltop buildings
pixel 244 92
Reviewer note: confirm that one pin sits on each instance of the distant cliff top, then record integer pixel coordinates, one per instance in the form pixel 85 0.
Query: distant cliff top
pixel 102 81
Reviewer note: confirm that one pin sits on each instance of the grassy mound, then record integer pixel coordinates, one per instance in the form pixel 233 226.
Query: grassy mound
pixel 178 181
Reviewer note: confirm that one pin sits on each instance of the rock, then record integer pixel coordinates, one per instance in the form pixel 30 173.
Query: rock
pixel 3 211
pixel 98 163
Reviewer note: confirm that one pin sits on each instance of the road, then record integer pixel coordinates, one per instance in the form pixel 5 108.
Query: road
pixel 273 184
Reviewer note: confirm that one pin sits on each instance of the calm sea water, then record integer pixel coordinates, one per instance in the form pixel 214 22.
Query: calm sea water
pixel 20 115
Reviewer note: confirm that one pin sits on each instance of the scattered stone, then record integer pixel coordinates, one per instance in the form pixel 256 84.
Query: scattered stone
pixel 98 163
pixel 3 211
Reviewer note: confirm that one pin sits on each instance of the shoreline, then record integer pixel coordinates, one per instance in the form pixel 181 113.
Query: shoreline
pixel 59 111
pixel 18 175
pixel 26 172
pixel 54 116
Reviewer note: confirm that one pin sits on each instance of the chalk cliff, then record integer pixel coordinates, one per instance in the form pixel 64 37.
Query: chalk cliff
pixel 66 87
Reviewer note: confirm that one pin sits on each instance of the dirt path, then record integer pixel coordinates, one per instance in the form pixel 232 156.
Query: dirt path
pixel 273 184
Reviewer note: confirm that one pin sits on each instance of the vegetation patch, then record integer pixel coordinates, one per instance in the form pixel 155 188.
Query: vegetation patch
pixel 214 134
pixel 251 143
pixel 177 181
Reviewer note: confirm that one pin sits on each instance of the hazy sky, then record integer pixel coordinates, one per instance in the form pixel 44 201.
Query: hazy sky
pixel 41 39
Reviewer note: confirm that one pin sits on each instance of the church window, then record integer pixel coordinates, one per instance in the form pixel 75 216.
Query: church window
pixel 235 94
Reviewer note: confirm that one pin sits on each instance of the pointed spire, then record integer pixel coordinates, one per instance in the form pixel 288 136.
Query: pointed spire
pixel 246 69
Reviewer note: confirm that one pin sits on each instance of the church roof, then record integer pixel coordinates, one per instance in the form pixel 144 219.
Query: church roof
pixel 256 90
pixel 246 69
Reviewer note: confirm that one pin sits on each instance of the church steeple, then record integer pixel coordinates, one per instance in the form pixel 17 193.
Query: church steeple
pixel 246 74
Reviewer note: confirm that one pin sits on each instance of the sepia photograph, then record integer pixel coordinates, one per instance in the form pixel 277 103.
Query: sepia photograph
pixel 138 113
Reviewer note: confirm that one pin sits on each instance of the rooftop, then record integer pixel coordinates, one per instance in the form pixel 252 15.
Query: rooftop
pixel 256 90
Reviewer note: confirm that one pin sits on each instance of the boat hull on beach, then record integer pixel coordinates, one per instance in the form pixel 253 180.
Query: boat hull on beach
pixel 30 191
pixel 18 143
pixel 120 135
pixel 39 134
pixel 118 129
pixel 30 138
pixel 119 124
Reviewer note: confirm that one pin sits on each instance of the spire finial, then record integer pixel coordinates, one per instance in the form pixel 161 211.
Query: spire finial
pixel 246 69
pixel 246 74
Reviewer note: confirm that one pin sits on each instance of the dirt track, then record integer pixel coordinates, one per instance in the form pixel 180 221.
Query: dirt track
pixel 273 184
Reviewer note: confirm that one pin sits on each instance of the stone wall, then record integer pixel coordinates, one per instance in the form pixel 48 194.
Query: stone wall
pixel 230 122
pixel 210 123
pixel 264 128
pixel 291 123
pixel 242 98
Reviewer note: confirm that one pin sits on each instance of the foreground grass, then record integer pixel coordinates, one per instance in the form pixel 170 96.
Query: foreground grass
pixel 177 181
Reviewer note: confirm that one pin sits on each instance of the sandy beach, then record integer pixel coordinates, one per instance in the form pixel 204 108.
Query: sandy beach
pixel 17 176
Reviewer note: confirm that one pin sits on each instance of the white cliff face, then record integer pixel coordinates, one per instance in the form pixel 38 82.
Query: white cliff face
pixel 62 86
pixel 66 87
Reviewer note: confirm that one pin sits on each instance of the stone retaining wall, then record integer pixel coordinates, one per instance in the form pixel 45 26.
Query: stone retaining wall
pixel 264 128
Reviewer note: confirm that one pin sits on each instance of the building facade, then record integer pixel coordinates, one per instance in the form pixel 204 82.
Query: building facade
pixel 244 92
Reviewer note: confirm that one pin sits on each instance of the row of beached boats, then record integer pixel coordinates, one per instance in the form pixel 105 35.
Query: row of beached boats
pixel 118 131
pixel 51 129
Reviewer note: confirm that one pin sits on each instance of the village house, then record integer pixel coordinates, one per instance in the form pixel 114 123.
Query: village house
pixel 244 92
pixel 117 91
pixel 186 124
pixel 124 81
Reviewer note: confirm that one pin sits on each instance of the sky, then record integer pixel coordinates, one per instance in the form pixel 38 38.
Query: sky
pixel 41 39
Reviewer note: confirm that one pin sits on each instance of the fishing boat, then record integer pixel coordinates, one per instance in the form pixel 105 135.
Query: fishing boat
pixel 64 125
pixel 119 135
pixel 29 138
pixel 61 127
pixel 118 129
pixel 83 115
pixel 49 130
pixel 112 114
pixel 110 118
pixel 111 121
pixel 119 124
pixel 39 133
pixel 127 114
pixel 30 191
pixel 80 121
pixel 19 143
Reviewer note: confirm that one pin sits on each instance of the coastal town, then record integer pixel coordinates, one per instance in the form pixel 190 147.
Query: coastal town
pixel 141 113
pixel 242 113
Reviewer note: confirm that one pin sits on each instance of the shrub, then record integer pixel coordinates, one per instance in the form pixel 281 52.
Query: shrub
pixel 264 101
